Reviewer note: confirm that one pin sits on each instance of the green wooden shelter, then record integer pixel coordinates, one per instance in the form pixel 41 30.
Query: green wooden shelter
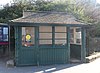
pixel 45 38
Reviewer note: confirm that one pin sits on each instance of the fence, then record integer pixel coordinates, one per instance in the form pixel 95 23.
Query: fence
pixel 92 43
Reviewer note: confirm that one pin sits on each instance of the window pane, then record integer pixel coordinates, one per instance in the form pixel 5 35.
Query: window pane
pixel 61 42
pixel 28 36
pixel 75 37
pixel 60 29
pixel 45 42
pixel 60 35
pixel 5 33
pixel 45 29
pixel 45 35
pixel 78 41
pixel 78 36
pixel 72 35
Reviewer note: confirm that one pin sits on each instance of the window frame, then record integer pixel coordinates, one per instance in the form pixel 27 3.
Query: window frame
pixel 33 33
pixel 76 31
pixel 41 39
pixel 60 39
pixel 3 35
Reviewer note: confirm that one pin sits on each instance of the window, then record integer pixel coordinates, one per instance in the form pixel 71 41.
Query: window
pixel 28 36
pixel 3 34
pixel 78 35
pixel 45 35
pixel 60 35
pixel 72 36
pixel 75 33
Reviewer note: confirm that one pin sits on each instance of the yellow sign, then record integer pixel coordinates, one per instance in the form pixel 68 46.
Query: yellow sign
pixel 28 37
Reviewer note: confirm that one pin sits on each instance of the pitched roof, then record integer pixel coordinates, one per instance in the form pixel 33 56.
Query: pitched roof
pixel 47 17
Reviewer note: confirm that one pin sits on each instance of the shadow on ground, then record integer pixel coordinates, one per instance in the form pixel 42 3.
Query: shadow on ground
pixel 34 69
pixel 52 68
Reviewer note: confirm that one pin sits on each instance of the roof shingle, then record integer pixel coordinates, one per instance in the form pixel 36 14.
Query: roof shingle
pixel 47 17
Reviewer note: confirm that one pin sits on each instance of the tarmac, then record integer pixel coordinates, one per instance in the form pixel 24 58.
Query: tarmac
pixel 93 67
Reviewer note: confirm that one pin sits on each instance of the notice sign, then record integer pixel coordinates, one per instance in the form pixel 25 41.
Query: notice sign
pixel 28 37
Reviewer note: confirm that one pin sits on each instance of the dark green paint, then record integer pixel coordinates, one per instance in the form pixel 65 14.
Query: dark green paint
pixel 68 44
pixel 83 47
pixel 75 51
pixel 45 55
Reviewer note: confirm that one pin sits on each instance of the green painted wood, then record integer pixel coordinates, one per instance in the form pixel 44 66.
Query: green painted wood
pixel 37 44
pixel 83 47
pixel 68 44
pixel 26 55
pixel 16 45
pixel 75 51
pixel 53 36
pixel 52 56
pixel 45 55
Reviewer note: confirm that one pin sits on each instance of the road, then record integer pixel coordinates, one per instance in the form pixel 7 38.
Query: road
pixel 92 67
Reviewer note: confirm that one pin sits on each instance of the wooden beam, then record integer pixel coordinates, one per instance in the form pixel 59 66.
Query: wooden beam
pixel 68 44
pixel 53 36
pixel 83 47
pixel 45 24
pixel 37 43
pixel 74 32
pixel 16 45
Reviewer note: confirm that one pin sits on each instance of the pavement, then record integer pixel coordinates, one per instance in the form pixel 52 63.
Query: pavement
pixel 92 67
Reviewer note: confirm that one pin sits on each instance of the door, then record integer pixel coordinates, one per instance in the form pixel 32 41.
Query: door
pixel 27 50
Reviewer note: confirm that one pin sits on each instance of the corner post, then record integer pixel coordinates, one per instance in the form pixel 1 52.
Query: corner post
pixel 83 47
pixel 68 44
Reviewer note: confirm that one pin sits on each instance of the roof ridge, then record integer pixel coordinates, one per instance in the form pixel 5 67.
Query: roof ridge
pixel 45 11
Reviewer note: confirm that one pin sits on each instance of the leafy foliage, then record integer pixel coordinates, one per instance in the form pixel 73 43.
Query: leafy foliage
pixel 10 12
pixel 78 9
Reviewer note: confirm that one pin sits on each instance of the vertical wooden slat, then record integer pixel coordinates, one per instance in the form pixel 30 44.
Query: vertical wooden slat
pixel 37 43
pixel 53 36
pixel 68 44
pixel 16 44
pixel 74 29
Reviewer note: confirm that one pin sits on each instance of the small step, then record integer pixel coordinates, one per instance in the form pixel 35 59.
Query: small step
pixel 73 60
pixel 10 63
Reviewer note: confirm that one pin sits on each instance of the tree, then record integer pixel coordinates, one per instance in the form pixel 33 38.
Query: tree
pixel 10 12
pixel 80 9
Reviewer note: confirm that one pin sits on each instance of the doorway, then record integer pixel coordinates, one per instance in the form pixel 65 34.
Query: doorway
pixel 75 44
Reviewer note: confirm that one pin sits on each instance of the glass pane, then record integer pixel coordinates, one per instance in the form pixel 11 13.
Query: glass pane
pixel 60 35
pixel 60 29
pixel 45 42
pixel 28 36
pixel 75 37
pixel 5 34
pixel 78 37
pixel 60 42
pixel 45 35
pixel 45 29
pixel 78 41
pixel 71 35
